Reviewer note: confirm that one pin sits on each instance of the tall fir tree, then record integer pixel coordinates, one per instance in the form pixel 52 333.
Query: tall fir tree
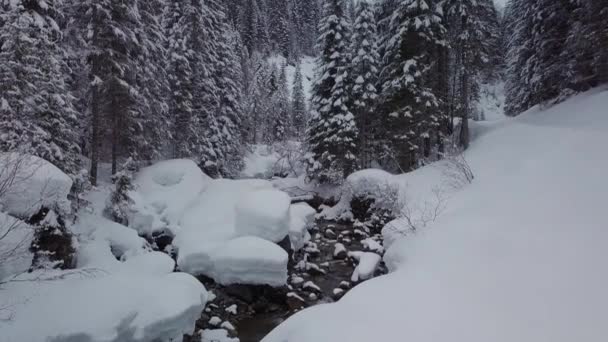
pixel 332 134
pixel 410 106
pixel 364 73
pixel 37 114
pixel 300 111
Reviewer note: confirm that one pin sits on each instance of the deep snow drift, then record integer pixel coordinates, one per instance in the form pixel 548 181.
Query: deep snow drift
pixel 519 255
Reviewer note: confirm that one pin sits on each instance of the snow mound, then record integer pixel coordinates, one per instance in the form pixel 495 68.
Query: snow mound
pixel 368 263
pixel 301 217
pixel 164 191
pixel 250 260
pixel 263 213
pixel 108 308
pixel 29 183
pixel 371 183
pixel 209 229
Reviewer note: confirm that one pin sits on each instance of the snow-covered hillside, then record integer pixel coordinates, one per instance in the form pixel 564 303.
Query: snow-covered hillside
pixel 519 255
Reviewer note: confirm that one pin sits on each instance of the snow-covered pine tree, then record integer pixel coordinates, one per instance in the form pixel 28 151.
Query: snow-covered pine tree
pixel 300 111
pixel 107 31
pixel 281 125
pixel 306 15
pixel 253 26
pixel 278 26
pixel 364 75
pixel 546 77
pixel 184 124
pixel 410 107
pixel 518 15
pixel 587 65
pixel 471 48
pixel 149 137
pixel 36 109
pixel 119 203
pixel 332 133
pixel 228 74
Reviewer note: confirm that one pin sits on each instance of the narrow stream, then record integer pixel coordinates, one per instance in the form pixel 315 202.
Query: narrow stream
pixel 316 277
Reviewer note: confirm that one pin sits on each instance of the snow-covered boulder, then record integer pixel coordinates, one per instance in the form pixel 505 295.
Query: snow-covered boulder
pixel 263 213
pixel 113 308
pixel 250 260
pixel 375 184
pixel 164 191
pixel 301 217
pixel 29 183
pixel 210 244
pixel 368 263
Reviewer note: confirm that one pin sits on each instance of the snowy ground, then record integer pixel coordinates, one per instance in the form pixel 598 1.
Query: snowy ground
pixel 519 255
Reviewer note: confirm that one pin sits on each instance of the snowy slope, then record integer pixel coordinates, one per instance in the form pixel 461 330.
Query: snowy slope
pixel 519 255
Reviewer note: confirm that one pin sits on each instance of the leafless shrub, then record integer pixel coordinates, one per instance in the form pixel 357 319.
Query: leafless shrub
pixel 413 216
pixel 290 159
pixel 457 172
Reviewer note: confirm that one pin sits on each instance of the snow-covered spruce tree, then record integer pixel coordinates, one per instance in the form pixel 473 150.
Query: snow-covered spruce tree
pixel 119 203
pixel 278 26
pixel 36 109
pixel 53 244
pixel 184 124
pixel 332 133
pixel 300 112
pixel 518 15
pixel 364 74
pixel 305 15
pixel 107 30
pixel 228 74
pixel 253 26
pixel 410 108
pixel 470 34
pixel 281 125
pixel 148 135
pixel 587 65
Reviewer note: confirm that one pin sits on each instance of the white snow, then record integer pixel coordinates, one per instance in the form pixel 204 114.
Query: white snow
pixel 372 245
pixel 163 192
pixel 263 213
pixel 301 217
pixel 519 255
pixel 368 263
pixel 97 307
pixel 29 183
pixel 339 248
pixel 216 335
pixel 16 238
pixel 250 260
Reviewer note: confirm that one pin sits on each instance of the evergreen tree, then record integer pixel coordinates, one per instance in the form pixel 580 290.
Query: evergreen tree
pixel 410 107
pixel 364 73
pixel 37 114
pixel 184 131
pixel 278 26
pixel 119 203
pixel 282 108
pixel 108 31
pixel 230 111
pixel 300 112
pixel 332 134
pixel 472 38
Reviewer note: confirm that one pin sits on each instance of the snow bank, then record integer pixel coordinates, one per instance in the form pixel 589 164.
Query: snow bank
pixel 263 213
pixel 108 308
pixel 519 255
pixel 164 191
pixel 31 183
